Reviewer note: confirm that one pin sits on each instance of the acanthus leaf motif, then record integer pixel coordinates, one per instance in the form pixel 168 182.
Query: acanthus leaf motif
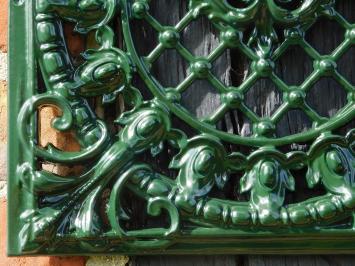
pixel 203 166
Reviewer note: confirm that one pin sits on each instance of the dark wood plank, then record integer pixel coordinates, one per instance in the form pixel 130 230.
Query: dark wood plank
pixel 184 260
pixel 299 260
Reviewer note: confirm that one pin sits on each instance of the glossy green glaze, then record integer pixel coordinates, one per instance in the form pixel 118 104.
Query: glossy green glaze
pixel 52 214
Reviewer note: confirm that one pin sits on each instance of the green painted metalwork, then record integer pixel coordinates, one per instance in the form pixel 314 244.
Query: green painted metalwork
pixel 53 214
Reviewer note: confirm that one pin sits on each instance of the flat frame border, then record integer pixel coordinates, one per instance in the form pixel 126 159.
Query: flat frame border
pixel 21 85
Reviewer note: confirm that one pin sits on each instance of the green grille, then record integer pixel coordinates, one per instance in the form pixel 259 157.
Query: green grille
pixel 263 48
pixel 90 212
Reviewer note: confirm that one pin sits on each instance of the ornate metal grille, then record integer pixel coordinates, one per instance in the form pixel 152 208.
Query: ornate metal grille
pixel 61 214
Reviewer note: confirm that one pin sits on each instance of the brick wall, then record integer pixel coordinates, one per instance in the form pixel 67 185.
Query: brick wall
pixel 47 134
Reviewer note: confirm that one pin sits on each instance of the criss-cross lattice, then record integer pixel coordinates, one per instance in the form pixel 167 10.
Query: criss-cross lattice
pixel 262 66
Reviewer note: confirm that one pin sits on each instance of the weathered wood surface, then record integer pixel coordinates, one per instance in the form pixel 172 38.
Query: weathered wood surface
pixel 242 261
pixel 231 68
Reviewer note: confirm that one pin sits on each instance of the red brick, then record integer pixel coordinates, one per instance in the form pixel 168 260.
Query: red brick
pixel 3 25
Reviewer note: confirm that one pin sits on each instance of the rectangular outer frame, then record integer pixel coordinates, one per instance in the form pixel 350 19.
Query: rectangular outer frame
pixel 22 85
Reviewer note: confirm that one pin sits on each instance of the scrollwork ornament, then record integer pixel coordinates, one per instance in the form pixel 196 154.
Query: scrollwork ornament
pixel 90 209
